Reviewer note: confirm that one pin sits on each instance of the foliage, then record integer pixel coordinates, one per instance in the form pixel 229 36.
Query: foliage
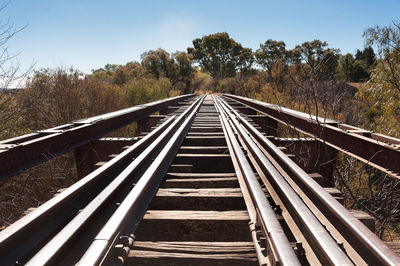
pixel 184 71
pixel 105 73
pixel 380 99
pixel 315 60
pixel 55 97
pixel 176 67
pixel 367 56
pixel 246 61
pixel 202 82
pixel 221 55
pixel 248 86
pixel 351 69
pixel 159 63
pixel 123 74
pixel 370 190
pixel 271 53
pixel 144 90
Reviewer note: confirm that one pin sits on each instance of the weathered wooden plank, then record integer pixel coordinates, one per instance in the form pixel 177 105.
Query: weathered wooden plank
pixel 205 129
pixel 164 225
pixel 203 192
pixel 197 215
pixel 192 253
pixel 199 175
pixel 218 182
pixel 204 140
pixel 217 199
pixel 203 149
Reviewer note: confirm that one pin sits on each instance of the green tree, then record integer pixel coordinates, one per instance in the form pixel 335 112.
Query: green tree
pixel 104 73
pixel 246 61
pixel 367 56
pixel 178 67
pixel 124 73
pixel 144 90
pixel 381 97
pixel 271 53
pixel 317 61
pixel 184 72
pixel 159 63
pixel 350 69
pixel 219 54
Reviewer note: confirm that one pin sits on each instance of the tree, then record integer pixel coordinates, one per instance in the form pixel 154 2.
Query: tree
pixel 184 70
pixel 159 63
pixel 246 61
pixel 124 73
pixel 313 80
pixel 144 90
pixel 381 97
pixel 379 101
pixel 272 56
pixel 177 67
pixel 271 53
pixel 219 54
pixel 367 56
pixel 350 69
pixel 315 59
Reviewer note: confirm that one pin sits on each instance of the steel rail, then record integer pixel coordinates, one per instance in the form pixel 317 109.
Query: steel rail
pixel 135 203
pixel 377 150
pixel 20 153
pixel 48 254
pixel 275 234
pixel 363 240
pixel 327 250
pixel 373 250
pixel 21 237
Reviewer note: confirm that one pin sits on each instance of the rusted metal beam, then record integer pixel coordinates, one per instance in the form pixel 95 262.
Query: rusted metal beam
pixel 20 238
pixel 272 229
pixel 379 151
pixel 133 207
pixel 20 153
pixel 365 242
pixel 319 238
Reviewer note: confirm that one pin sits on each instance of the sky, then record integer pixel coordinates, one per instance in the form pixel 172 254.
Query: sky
pixel 87 34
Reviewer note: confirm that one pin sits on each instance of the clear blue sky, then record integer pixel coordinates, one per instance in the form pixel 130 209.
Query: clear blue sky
pixel 89 34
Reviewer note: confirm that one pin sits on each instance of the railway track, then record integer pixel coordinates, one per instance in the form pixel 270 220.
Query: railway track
pixel 204 186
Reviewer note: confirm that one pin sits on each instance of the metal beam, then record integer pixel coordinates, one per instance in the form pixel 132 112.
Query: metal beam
pixel 379 151
pixel 20 153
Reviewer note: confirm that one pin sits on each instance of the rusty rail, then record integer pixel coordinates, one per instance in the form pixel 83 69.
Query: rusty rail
pixel 21 237
pixel 124 220
pixel 20 153
pixel 271 227
pixel 330 253
pixel 380 151
pixel 356 233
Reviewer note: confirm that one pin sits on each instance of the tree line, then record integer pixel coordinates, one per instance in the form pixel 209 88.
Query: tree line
pixel 223 57
pixel 310 77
